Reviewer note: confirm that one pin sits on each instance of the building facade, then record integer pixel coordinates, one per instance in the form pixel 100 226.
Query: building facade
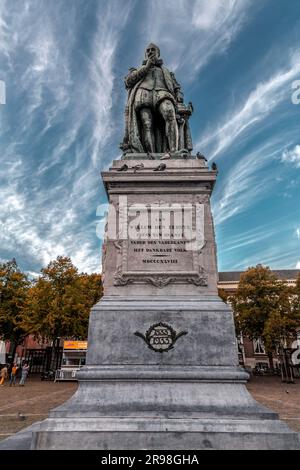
pixel 252 353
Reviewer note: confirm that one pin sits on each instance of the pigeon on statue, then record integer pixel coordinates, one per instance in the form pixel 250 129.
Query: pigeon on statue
pixel 150 156
pixel 200 156
pixel 166 156
pixel 160 167
pixel 138 167
pixel 123 167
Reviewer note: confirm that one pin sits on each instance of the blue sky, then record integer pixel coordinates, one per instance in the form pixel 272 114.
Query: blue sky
pixel 63 62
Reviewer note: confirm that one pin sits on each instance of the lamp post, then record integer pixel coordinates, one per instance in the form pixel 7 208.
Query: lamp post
pixel 57 342
pixel 289 368
pixel 287 374
pixel 241 348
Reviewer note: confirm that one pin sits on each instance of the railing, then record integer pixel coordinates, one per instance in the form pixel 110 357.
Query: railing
pixel 65 374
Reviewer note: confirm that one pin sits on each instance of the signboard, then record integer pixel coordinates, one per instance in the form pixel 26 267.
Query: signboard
pixel 75 344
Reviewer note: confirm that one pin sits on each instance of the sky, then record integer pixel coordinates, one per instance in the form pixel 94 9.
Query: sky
pixel 63 63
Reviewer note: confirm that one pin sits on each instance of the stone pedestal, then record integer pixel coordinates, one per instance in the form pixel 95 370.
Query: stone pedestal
pixel 162 367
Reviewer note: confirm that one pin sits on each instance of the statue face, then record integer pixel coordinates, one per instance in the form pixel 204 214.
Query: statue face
pixel 151 51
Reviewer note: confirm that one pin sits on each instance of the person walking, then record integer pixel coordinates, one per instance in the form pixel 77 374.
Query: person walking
pixel 3 375
pixel 13 375
pixel 25 371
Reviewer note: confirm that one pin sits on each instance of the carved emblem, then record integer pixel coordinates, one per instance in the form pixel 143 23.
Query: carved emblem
pixel 161 337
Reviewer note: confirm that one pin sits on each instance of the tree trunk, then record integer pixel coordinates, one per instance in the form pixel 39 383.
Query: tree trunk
pixel 55 354
pixel 14 349
pixel 271 362
pixel 283 366
pixel 289 368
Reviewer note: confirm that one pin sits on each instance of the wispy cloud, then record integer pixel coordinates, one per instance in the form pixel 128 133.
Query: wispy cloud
pixel 102 77
pixel 62 63
pixel 272 242
pixel 208 28
pixel 292 156
pixel 49 186
pixel 251 237
pixel 241 187
pixel 271 256
pixel 4 42
pixel 257 106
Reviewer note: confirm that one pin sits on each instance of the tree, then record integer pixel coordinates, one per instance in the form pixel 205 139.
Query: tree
pixel 60 301
pixel 280 331
pixel 223 295
pixel 296 295
pixel 263 307
pixel 14 288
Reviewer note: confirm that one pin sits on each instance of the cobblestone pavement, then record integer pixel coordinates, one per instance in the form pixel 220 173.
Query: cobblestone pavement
pixel 281 397
pixel 33 401
pixel 22 406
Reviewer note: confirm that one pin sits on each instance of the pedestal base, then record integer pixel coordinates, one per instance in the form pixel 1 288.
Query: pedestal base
pixel 164 434
pixel 192 396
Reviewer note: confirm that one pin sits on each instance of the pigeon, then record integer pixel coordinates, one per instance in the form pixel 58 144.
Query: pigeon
pixel 287 391
pixel 166 156
pixel 160 167
pixel 214 166
pixel 123 167
pixel 150 156
pixel 20 416
pixel 191 107
pixel 137 167
pixel 200 156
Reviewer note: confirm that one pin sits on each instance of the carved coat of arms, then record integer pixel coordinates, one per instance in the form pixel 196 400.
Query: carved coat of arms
pixel 160 337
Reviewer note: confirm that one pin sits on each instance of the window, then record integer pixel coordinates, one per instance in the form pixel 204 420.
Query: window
pixel 258 346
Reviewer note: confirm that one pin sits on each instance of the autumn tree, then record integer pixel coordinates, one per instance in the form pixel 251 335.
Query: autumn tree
pixel 264 308
pixel 223 294
pixel 60 301
pixel 14 288
pixel 296 295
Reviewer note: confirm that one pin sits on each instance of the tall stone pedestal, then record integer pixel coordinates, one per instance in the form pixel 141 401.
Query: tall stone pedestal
pixel 162 367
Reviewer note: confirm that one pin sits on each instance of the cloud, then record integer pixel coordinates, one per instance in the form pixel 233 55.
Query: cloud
pixel 257 106
pixel 56 137
pixel 4 43
pixel 298 265
pixel 44 232
pixel 241 187
pixel 62 62
pixel 208 28
pixel 244 239
pixel 292 156
pixel 111 21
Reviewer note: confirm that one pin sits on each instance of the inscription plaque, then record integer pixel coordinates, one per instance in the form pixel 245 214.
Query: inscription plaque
pixel 162 246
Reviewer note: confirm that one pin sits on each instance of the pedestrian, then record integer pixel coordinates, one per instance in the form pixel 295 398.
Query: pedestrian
pixel 25 370
pixel 13 374
pixel 3 375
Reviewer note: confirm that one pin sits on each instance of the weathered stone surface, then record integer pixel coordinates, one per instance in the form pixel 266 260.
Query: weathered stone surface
pixel 156 119
pixel 193 394
pixel 183 184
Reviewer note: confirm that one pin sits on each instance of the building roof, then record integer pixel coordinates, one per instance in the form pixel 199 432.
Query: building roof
pixel 234 276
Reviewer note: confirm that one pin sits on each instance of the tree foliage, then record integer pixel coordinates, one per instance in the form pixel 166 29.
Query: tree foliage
pixel 223 294
pixel 265 308
pixel 14 288
pixel 60 301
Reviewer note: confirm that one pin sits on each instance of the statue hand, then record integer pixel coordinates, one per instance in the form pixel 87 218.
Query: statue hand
pixel 150 61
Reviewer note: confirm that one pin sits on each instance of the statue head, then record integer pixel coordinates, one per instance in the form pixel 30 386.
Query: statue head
pixel 152 49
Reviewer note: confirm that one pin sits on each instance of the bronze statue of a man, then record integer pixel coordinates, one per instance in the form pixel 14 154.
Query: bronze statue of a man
pixel 156 120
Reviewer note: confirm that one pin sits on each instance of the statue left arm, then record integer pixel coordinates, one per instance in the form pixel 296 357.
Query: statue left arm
pixel 177 89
